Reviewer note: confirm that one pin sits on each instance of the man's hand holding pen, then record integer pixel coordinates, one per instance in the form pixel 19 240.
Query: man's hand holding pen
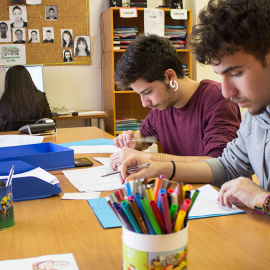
pixel 124 140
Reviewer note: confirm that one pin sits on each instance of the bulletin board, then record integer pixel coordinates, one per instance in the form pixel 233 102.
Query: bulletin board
pixel 71 14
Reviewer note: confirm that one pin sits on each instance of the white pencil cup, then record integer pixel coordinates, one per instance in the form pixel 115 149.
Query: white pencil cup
pixel 155 252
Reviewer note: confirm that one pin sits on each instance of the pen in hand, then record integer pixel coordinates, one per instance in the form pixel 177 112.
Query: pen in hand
pixel 129 169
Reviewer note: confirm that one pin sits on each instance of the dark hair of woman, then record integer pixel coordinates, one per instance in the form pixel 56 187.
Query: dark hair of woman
pixel 21 99
pixel 64 42
pixel 81 40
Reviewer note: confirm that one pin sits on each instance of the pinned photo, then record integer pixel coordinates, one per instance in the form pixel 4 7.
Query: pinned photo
pixel 19 35
pixel 67 38
pixel 51 13
pixel 67 56
pixel 5 31
pixel 18 16
pixel 48 34
pixel 33 35
pixel 82 46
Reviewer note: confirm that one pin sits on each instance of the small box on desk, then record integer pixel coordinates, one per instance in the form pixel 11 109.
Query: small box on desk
pixel 48 156
pixel 28 187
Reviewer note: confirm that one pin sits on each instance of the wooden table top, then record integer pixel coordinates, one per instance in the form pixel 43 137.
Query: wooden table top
pixel 55 226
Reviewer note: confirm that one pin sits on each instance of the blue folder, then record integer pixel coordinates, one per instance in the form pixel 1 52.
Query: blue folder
pixel 27 188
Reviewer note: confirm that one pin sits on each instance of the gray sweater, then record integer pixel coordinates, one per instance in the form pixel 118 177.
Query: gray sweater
pixel 249 153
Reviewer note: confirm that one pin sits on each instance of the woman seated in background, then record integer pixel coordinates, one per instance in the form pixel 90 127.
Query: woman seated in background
pixel 21 99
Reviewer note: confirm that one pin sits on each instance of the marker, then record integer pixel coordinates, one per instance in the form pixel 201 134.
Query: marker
pixel 128 189
pixel 129 213
pixel 123 218
pixel 129 169
pixel 138 215
pixel 179 221
pixel 173 211
pixel 150 215
pixel 158 215
pixel 10 176
pixel 194 197
pixel 157 188
pixel 166 212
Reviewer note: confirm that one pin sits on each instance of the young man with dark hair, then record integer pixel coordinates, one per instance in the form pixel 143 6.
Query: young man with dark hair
pixel 234 37
pixel 190 119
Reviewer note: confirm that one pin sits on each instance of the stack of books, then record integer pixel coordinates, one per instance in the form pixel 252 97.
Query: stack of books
pixel 127 124
pixel 177 35
pixel 123 36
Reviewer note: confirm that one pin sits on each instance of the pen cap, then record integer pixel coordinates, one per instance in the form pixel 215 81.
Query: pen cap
pixel 141 250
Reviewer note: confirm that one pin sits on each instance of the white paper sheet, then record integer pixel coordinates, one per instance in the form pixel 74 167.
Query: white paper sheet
pixel 38 173
pixel 154 21
pixel 206 205
pixel 13 140
pixel 103 160
pixel 81 196
pixel 58 261
pixel 90 179
pixel 94 149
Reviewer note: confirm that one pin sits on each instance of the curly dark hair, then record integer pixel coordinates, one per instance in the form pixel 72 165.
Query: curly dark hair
pixel 226 26
pixel 147 57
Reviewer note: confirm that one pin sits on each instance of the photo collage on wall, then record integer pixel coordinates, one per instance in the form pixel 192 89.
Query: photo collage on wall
pixel 17 30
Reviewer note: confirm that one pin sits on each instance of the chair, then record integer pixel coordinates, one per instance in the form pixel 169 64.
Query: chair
pixel 15 125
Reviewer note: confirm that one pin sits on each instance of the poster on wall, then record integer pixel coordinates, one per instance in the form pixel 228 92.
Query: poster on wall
pixel 12 54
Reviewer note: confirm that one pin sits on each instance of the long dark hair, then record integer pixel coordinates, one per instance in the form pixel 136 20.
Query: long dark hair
pixel 21 99
pixel 79 40
pixel 64 43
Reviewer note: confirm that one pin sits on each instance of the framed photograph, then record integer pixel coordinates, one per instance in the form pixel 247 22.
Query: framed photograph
pixel 5 31
pixel 176 4
pixel 51 13
pixel 18 16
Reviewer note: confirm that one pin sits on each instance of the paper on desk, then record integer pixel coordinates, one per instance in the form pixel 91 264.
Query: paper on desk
pixel 103 160
pixel 104 213
pixel 94 149
pixel 56 261
pixel 81 196
pixel 206 205
pixel 38 173
pixel 13 140
pixel 90 179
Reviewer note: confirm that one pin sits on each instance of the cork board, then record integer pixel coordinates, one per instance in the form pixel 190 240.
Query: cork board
pixel 71 14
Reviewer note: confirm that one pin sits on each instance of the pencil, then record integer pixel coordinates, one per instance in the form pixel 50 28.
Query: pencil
pixel 129 169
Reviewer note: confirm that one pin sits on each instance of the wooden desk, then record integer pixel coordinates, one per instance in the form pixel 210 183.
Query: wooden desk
pixel 87 115
pixel 54 226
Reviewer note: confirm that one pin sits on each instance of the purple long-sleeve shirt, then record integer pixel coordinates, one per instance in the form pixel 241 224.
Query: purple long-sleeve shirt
pixel 202 127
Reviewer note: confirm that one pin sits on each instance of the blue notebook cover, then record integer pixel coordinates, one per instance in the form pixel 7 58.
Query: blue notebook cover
pixel 101 141
pixel 104 213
